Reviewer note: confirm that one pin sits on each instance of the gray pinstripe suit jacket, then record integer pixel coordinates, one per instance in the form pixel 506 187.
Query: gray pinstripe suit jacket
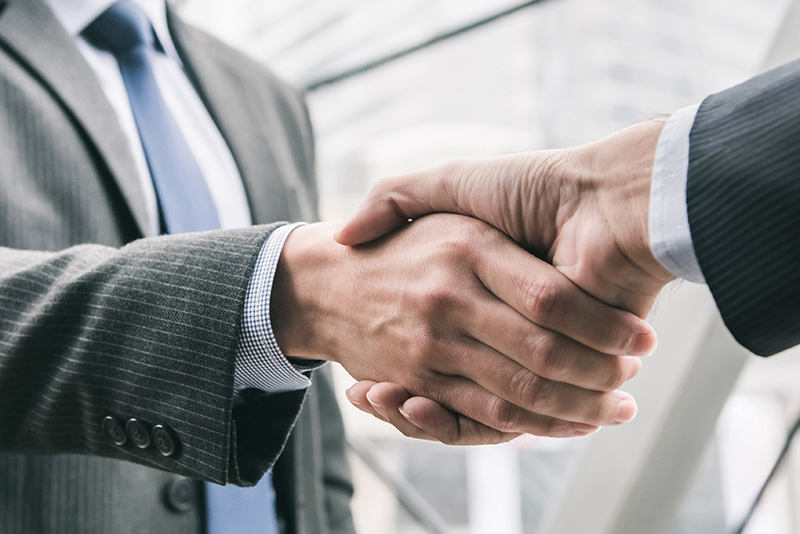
pixel 95 321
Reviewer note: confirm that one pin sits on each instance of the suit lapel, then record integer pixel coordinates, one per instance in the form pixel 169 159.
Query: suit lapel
pixel 242 112
pixel 30 30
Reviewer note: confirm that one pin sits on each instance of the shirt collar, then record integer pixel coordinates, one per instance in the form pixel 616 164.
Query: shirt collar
pixel 75 15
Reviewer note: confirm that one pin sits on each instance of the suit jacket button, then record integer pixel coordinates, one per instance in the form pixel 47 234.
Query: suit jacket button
pixel 180 495
pixel 137 433
pixel 113 429
pixel 166 442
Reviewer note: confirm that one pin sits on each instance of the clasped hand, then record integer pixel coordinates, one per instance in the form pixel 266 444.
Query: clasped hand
pixel 584 209
pixel 451 310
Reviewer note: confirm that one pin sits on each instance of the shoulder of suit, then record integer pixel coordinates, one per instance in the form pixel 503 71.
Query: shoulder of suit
pixel 243 64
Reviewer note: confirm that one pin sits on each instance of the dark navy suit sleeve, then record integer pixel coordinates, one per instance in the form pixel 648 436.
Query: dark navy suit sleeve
pixel 743 196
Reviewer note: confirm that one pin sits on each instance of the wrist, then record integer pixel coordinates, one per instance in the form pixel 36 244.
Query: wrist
pixel 299 295
pixel 620 181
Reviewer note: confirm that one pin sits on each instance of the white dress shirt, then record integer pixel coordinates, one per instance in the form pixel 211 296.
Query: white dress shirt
pixel 670 235
pixel 259 361
pixel 202 135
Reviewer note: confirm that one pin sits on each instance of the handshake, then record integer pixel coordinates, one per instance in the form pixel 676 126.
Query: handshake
pixel 518 308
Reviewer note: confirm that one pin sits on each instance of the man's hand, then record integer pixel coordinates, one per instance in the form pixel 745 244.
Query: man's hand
pixel 584 209
pixel 452 310
pixel 422 418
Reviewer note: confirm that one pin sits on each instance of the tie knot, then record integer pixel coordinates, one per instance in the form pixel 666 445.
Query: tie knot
pixel 120 28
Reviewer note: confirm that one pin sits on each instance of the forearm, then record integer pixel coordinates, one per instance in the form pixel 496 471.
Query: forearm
pixel 743 194
pixel 147 331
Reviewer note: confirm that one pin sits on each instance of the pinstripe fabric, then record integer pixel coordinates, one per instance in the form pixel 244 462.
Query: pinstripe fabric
pixel 743 196
pixel 84 494
pixel 140 331
pixel 96 323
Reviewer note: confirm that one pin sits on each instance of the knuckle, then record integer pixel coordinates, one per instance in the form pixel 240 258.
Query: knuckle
pixel 540 298
pixel 382 187
pixel 558 428
pixel 452 436
pixel 465 238
pixel 453 170
pixel 611 337
pixel 437 297
pixel 458 245
pixel 543 347
pixel 616 376
pixel 550 427
pixel 385 187
pixel 540 395
pixel 522 384
pixel 596 414
pixel 558 363
pixel 505 416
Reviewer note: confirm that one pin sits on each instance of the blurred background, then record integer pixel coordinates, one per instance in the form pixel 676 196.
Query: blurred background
pixel 554 74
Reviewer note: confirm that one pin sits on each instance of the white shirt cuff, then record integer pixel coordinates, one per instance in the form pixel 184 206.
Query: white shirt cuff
pixel 260 363
pixel 670 235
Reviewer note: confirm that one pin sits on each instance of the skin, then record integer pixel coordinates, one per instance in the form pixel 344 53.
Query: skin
pixel 583 209
pixel 452 310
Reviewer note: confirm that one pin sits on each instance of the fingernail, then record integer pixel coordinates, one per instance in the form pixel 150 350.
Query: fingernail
pixel 626 410
pixel 372 401
pixel 642 345
pixel 405 414
pixel 352 399
pixel 381 413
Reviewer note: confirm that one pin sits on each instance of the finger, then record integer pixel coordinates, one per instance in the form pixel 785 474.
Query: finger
pixel 421 418
pixel 549 299
pixel 536 394
pixel 357 395
pixel 387 399
pixel 547 353
pixel 391 203
pixel 373 219
pixel 464 396
pixel 449 427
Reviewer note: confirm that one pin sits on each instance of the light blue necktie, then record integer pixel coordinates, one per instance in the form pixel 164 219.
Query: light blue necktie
pixel 185 201
pixel 186 206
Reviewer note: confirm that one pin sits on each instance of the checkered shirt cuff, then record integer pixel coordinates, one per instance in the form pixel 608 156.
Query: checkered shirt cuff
pixel 260 363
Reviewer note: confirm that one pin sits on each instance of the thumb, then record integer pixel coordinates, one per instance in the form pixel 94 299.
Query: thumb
pixel 375 218
pixel 390 204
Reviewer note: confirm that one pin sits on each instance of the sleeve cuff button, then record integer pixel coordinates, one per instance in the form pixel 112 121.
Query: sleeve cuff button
pixel 137 433
pixel 113 429
pixel 165 442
